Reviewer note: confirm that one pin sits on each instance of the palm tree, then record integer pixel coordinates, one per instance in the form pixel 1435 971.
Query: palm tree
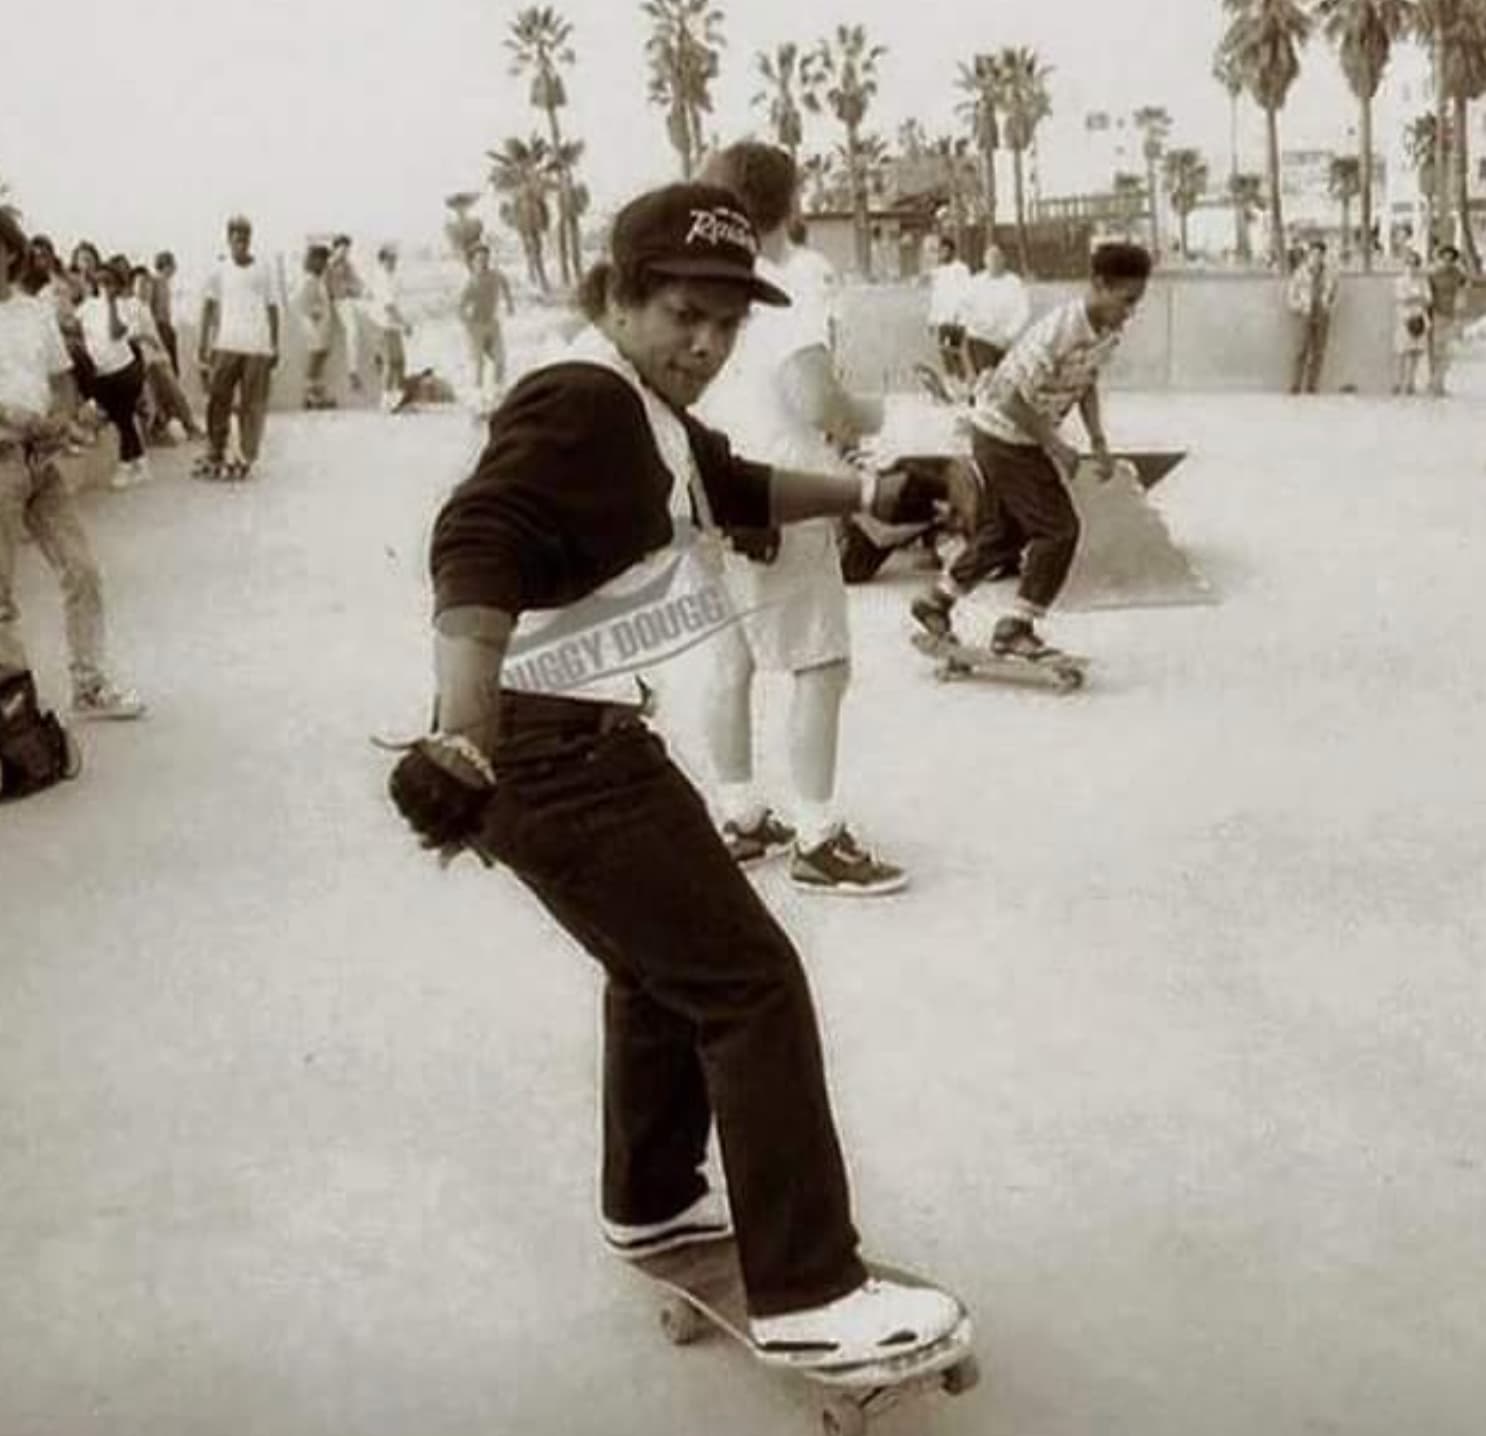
pixel 1023 101
pixel 1226 73
pixel 1421 145
pixel 522 172
pixel 463 229
pixel 684 40
pixel 978 80
pixel 1247 193
pixel 539 44
pixel 783 73
pixel 1186 183
pixel 1344 181
pixel 1433 22
pixel 1364 33
pixel 845 76
pixel 1264 39
pixel 815 176
pixel 1465 80
pixel 1154 123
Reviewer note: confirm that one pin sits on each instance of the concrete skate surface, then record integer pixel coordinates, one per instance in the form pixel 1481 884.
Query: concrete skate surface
pixel 1170 1061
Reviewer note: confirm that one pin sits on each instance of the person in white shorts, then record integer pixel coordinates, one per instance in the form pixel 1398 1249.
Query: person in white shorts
pixel 780 402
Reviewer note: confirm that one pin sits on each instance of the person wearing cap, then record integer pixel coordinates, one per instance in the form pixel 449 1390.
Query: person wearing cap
pixel 239 349
pixel 579 556
pixel 780 402
pixel 1027 522
pixel 479 312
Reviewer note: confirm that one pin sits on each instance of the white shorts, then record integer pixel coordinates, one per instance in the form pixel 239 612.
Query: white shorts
pixel 794 609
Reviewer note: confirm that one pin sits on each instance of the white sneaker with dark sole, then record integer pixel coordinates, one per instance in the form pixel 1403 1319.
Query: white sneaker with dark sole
pixel 706 1220
pixel 881 1321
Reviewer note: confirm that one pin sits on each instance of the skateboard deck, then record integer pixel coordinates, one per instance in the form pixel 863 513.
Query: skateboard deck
pixel 955 660
pixel 705 1290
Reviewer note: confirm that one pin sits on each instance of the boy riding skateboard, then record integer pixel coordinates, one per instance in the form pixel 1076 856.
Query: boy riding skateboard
pixel 572 547
pixel 1027 522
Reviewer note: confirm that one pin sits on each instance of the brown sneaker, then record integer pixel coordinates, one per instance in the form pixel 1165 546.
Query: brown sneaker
pixel 841 866
pixel 751 845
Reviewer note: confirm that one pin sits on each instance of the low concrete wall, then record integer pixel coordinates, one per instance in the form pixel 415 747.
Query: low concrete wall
pixel 1198 332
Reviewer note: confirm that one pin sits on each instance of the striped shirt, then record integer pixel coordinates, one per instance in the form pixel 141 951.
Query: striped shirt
pixel 1051 366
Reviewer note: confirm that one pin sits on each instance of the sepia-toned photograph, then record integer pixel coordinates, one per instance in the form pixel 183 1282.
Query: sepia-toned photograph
pixel 728 716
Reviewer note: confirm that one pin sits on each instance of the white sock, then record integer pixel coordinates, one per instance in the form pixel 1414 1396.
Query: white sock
pixel 739 804
pixel 814 823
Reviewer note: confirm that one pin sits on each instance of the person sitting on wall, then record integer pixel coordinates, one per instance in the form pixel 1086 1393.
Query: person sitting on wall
pixel 947 281
pixel 996 309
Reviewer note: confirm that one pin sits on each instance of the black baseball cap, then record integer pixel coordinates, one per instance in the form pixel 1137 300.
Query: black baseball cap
pixel 692 231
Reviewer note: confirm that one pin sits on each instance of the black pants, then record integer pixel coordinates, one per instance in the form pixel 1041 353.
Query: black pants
pixel 707 1014
pixel 950 338
pixel 118 396
pixel 1025 507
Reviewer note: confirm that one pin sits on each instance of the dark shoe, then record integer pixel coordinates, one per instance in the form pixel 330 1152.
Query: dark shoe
pixel 1016 638
pixel 752 845
pixel 932 612
pixel 841 866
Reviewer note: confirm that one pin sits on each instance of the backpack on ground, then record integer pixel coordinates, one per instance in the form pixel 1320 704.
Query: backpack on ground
pixel 35 749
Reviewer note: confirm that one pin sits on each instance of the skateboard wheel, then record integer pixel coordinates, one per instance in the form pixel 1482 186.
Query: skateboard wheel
pixel 963 1376
pixel 843 1418
pixel 74 759
pixel 681 1322
pixel 1070 678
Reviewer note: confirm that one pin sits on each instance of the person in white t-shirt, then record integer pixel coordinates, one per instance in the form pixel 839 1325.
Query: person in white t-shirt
pixel 35 425
pixel 808 270
pixel 239 347
pixel 118 372
pixel 996 309
pixel 386 309
pixel 780 402
pixel 947 281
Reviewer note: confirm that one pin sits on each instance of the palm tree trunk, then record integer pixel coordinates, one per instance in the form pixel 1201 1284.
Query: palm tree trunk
pixel 564 199
pixel 860 219
pixel 1276 214
pixel 1468 247
pixel 1238 216
pixel 1021 213
pixel 1441 142
pixel 1365 160
pixel 1151 180
pixel 989 154
pixel 1346 246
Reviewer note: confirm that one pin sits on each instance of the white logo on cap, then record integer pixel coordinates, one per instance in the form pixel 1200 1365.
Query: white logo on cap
pixel 721 226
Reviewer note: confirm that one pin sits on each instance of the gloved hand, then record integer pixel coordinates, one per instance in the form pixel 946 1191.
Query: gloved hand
pixel 441 785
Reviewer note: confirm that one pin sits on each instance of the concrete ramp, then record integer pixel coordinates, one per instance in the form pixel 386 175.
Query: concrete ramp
pixel 1127 556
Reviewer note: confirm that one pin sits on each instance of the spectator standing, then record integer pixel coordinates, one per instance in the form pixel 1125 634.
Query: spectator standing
pixel 1448 281
pixel 35 400
pixel 162 307
pixel 239 346
pixel 118 372
pixel 1310 296
pixel 316 313
pixel 1411 304
pixel 947 281
pixel 346 291
pixel 808 271
pixel 996 309
pixel 479 306
pixel 387 314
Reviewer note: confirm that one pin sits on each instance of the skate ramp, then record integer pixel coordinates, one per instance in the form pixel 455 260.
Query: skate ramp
pixel 1127 557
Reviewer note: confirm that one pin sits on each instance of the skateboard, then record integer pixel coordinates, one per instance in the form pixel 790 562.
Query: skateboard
pixel 704 1287
pixel 1063 671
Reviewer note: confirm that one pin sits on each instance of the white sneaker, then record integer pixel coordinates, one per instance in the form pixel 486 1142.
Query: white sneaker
pixel 103 700
pixel 880 1321
pixel 706 1220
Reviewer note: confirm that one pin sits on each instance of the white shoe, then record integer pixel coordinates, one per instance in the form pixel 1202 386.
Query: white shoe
pixel 103 700
pixel 880 1321
pixel 706 1220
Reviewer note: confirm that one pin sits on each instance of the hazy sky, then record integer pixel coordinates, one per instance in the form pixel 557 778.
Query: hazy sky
pixel 145 124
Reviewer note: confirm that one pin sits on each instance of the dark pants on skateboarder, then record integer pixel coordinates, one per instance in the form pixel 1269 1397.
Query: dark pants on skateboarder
pixel 243 379
pixel 1026 519
pixel 707 1014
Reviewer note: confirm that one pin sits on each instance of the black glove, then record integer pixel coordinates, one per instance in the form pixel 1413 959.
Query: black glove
pixel 761 545
pixel 441 785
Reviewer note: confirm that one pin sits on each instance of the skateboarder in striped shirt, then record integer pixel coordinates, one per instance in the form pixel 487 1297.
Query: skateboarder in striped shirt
pixel 1027 522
